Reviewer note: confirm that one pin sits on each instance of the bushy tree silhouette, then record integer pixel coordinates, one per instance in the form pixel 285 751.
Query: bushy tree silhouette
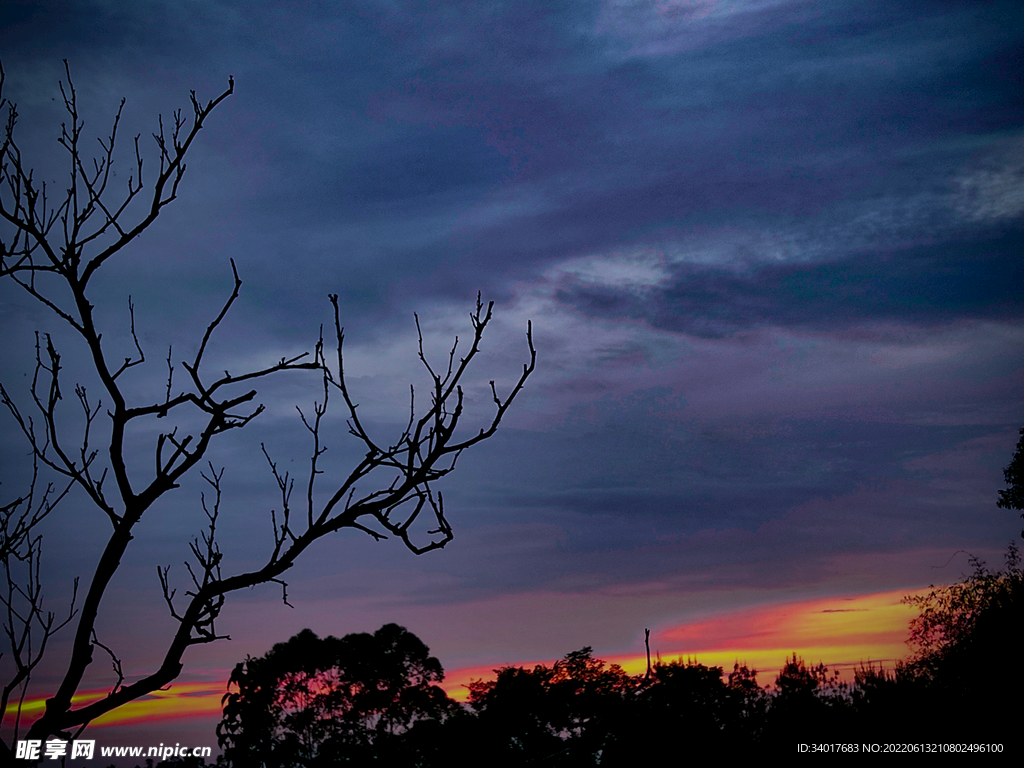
pixel 683 704
pixel 313 701
pixel 967 641
pixel 516 718
pixel 1012 497
pixel 807 697
pixel 752 700
pixel 566 714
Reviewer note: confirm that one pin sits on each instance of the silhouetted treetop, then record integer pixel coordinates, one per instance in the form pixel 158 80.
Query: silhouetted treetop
pixel 1012 497
pixel 311 699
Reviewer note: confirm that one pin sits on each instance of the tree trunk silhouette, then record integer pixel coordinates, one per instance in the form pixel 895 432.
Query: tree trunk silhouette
pixel 53 248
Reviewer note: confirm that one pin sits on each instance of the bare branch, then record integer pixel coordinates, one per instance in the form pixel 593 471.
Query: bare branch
pixel 55 246
pixel 128 362
pixel 115 662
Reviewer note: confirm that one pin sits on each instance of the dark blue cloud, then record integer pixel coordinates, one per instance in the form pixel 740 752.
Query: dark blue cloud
pixel 926 285
pixel 382 132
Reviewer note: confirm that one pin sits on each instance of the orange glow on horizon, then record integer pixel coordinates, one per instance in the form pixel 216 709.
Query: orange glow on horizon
pixel 181 700
pixel 841 632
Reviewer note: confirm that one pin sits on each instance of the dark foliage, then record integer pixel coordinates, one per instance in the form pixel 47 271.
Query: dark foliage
pixel 1013 496
pixel 358 699
pixel 962 633
pixel 566 714
pixel 684 703
pixel 581 711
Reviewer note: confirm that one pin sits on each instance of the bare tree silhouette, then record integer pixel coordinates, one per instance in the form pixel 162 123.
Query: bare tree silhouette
pixel 52 246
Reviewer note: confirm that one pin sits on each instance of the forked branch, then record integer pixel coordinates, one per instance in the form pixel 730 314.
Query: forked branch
pixel 51 246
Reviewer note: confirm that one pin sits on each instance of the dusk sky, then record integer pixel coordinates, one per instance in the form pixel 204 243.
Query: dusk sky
pixel 771 251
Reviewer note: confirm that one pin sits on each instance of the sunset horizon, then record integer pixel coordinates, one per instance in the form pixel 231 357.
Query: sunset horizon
pixel 818 632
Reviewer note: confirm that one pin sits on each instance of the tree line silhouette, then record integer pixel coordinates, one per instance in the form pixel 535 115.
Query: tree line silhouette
pixel 375 699
pixel 581 711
